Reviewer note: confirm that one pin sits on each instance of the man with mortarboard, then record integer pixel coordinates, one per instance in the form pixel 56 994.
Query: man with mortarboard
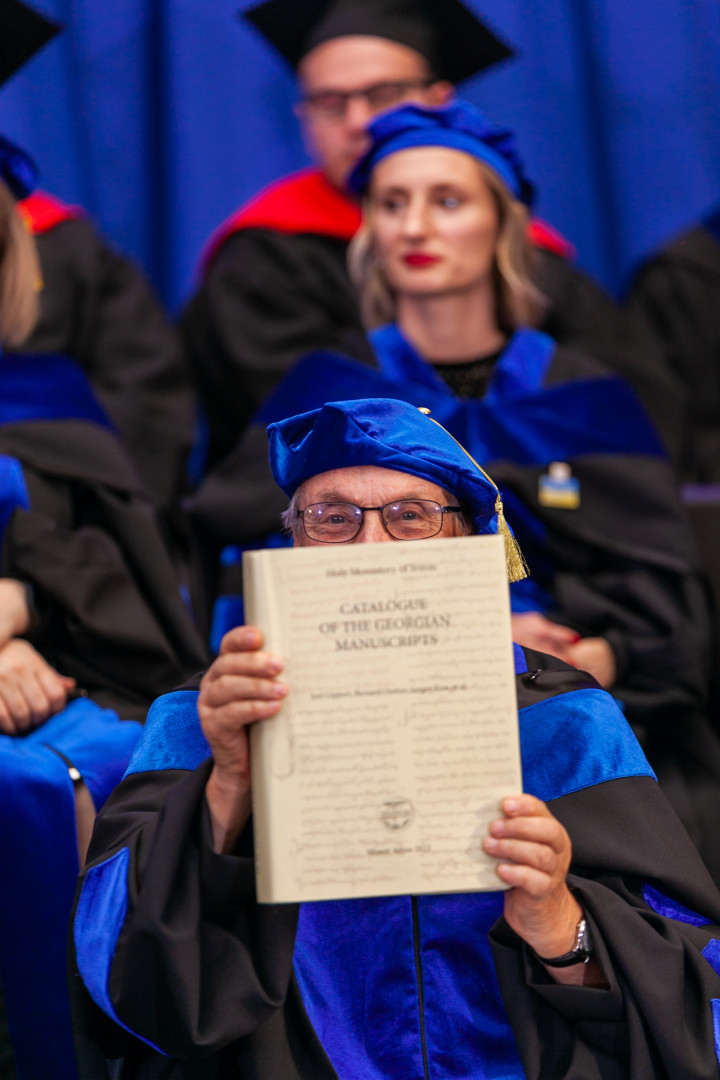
pixel 602 958
pixel 98 309
pixel 275 281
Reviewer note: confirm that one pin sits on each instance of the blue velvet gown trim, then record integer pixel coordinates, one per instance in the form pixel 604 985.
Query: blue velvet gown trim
pixel 46 387
pixel 37 815
pixel 13 490
pixel 99 918
pixel 516 420
pixel 521 368
pixel 172 737
pixel 671 909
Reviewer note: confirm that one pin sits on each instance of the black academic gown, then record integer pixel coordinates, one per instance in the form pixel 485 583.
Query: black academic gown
pixel 98 308
pixel 77 528
pixel 87 541
pixel 173 946
pixel 676 298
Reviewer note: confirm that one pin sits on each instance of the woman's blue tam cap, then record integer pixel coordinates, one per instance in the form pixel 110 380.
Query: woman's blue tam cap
pixel 459 126
pixel 384 432
pixel 17 169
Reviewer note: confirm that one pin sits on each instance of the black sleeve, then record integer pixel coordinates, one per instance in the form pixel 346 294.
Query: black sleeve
pixel 267 299
pixel 197 964
pixel 99 309
pixel 641 886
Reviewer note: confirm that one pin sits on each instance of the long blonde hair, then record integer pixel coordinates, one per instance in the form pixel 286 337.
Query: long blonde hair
pixel 519 301
pixel 19 274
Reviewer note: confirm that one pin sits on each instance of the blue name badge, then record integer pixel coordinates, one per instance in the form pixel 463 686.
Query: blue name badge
pixel 558 488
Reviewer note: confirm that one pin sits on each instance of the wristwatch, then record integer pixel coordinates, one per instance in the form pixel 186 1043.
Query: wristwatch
pixel 580 953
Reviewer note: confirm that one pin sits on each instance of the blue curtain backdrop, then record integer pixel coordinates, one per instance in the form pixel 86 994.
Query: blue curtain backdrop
pixel 161 116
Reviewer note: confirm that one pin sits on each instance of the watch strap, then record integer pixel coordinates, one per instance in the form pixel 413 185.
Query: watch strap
pixel 579 954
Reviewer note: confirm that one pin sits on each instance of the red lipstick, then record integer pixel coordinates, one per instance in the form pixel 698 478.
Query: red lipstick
pixel 420 258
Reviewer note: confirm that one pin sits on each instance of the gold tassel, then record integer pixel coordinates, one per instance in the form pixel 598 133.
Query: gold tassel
pixel 517 568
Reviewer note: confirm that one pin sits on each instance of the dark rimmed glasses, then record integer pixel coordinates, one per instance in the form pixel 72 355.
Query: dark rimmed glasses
pixel 332 104
pixel 404 519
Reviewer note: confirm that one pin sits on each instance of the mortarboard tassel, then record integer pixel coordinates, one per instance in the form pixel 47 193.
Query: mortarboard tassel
pixel 517 567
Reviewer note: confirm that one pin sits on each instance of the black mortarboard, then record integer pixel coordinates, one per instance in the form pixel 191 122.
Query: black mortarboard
pixel 23 32
pixel 453 40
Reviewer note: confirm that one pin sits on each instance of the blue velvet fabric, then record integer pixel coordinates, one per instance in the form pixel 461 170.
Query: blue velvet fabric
pixel 172 737
pixel 356 961
pixel 46 387
pixel 99 918
pixel 711 952
pixel 521 369
pixel 386 432
pixel 530 597
pixel 13 490
pixel 574 741
pixel 457 126
pixel 715 1006
pixel 38 841
pixel 671 909
pixel 355 964
pixel 515 421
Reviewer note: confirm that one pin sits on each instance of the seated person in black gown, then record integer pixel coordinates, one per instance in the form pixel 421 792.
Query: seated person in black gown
pixel 98 308
pixel 91 623
pixel 275 283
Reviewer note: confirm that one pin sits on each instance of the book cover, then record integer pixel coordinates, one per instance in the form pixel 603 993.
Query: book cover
pixel 399 734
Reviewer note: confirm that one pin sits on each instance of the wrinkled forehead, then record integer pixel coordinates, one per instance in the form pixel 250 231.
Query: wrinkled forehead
pixel 367 485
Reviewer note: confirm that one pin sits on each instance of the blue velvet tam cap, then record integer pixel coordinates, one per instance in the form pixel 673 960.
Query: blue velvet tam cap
pixel 459 126
pixel 384 432
pixel 17 169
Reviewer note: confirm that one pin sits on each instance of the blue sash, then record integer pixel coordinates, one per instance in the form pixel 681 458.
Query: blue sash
pixel 38 853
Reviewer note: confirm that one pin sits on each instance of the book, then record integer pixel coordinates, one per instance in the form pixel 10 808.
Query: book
pixel 398 737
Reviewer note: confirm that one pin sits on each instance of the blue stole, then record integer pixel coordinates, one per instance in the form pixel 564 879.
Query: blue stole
pixel 518 420
pixel 46 387
pixel 38 850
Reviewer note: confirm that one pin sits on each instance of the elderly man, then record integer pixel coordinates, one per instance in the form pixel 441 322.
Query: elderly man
pixel 599 959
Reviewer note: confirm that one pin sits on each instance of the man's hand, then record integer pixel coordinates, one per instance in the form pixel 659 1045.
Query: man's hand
pixel 535 852
pixel 30 690
pixel 238 689
pixel 14 613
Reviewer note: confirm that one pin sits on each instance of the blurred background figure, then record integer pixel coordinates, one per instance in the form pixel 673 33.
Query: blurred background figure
pixel 676 296
pixel 97 307
pixel 91 615
pixel 275 278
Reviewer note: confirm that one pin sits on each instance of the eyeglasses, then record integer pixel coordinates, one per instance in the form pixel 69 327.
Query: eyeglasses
pixel 406 519
pixel 332 104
